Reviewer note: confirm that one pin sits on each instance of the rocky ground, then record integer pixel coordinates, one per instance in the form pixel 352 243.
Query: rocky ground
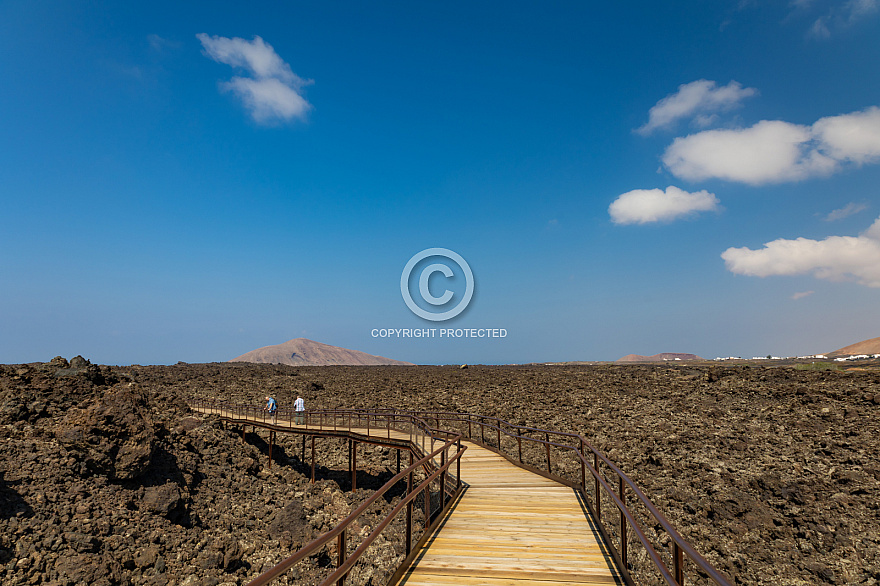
pixel 107 478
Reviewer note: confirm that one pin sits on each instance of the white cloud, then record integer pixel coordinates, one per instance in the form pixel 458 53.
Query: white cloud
pixel 802 294
pixel 836 258
pixel 699 98
pixel 846 211
pixel 643 206
pixel 851 137
pixel 273 91
pixel 268 99
pixel 774 151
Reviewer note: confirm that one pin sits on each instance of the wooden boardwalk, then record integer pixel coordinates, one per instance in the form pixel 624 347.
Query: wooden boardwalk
pixel 510 527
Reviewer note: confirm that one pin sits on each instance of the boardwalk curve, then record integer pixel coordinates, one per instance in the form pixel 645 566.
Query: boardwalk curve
pixel 502 502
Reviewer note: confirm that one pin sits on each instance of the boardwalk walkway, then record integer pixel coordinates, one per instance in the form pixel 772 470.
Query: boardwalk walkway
pixel 510 527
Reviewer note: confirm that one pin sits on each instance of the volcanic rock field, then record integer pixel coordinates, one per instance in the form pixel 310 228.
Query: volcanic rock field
pixel 107 477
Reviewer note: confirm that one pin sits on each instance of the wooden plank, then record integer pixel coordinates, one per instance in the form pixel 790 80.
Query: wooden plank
pixel 598 577
pixel 427 578
pixel 528 511
pixel 421 578
pixel 523 543
pixel 547 554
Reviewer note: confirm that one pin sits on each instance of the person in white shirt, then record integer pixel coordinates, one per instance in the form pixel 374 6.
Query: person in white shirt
pixel 299 406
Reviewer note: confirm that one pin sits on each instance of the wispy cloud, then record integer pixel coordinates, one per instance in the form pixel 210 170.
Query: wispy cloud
pixel 802 294
pixel 160 44
pixel 856 10
pixel 840 15
pixel 774 151
pixel 644 206
pixel 698 100
pixel 836 258
pixel 846 211
pixel 272 91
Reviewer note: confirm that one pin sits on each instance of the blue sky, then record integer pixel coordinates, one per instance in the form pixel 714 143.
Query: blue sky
pixel 190 183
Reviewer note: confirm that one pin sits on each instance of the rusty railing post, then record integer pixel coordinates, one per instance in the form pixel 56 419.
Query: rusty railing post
pixel 409 507
pixel 598 494
pixel 519 446
pixel 622 496
pixel 427 498
pixel 271 444
pixel 443 479
pixel 354 465
pixel 313 459
pixel 583 468
pixel 340 545
pixel 678 563
pixel 458 463
pixel 547 445
pixel 498 430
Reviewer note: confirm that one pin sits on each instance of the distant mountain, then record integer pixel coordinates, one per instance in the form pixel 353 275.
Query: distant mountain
pixel 871 346
pixel 662 357
pixel 303 352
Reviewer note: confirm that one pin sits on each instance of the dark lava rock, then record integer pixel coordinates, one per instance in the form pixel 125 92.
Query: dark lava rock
pixel 59 362
pixel 163 500
pixel 290 526
pixel 114 435
pixel 78 362
pixel 82 542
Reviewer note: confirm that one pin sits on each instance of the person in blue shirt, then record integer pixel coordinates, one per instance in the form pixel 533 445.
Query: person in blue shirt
pixel 271 407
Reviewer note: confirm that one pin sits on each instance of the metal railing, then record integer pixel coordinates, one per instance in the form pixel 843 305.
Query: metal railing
pixel 437 464
pixel 532 447
pixel 420 435
pixel 536 449
pixel 346 562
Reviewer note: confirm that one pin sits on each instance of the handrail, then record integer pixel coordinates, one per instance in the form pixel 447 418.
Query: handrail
pixel 680 547
pixel 448 491
pixel 321 540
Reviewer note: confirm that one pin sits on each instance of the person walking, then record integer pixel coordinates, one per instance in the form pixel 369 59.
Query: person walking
pixel 299 406
pixel 271 407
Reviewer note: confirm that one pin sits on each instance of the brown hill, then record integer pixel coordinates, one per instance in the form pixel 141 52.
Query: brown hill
pixel 304 352
pixel 662 357
pixel 871 346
